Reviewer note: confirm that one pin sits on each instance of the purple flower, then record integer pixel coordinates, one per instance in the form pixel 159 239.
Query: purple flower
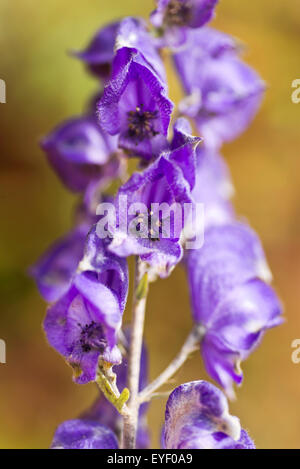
pixel 54 271
pixel 82 154
pixel 213 187
pixel 106 414
pixel 83 434
pixel 176 16
pixel 107 268
pixel 134 102
pixel 212 43
pixel 151 224
pixel 210 181
pixel 83 324
pixel 99 54
pixel 133 34
pixel 197 417
pixel 230 300
pixel 223 92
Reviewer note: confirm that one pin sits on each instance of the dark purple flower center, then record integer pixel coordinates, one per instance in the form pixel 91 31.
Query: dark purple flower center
pixel 149 224
pixel 178 13
pixel 140 124
pixel 92 338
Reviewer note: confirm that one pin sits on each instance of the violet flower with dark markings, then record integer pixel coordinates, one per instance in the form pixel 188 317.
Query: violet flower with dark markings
pixel 82 326
pixel 134 104
pixel 175 17
pixel 153 230
pixel 84 323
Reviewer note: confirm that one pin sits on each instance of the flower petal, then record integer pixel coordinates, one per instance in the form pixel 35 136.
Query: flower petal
pixel 83 434
pixel 197 417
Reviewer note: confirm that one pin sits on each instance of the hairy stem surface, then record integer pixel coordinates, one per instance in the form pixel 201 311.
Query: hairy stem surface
pixel 130 420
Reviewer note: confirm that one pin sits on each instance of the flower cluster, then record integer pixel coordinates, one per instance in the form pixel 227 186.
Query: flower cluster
pixel 84 276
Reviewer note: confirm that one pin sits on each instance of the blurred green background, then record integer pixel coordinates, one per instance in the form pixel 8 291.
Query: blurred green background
pixel 45 86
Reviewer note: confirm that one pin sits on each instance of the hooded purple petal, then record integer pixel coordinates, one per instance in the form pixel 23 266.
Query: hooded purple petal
pixel 98 56
pixel 213 187
pixel 224 93
pixel 175 17
pixel 151 223
pixel 236 328
pixel 83 434
pixel 84 323
pixel 110 269
pixel 197 417
pixel 209 179
pixel 231 255
pixel 81 153
pixel 82 326
pixel 133 34
pixel 183 147
pixel 211 43
pixel 230 300
pixel 54 271
pixel 135 105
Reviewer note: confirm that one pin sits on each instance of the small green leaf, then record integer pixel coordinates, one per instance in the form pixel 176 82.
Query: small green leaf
pixel 122 399
pixel 104 384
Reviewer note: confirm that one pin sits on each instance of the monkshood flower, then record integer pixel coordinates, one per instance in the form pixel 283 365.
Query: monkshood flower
pixel 213 43
pixel 175 17
pixel 82 153
pixel 134 34
pixel 103 412
pixel 197 417
pixel 99 54
pixel 134 104
pixel 54 271
pixel 83 324
pixel 152 226
pixel 106 267
pixel 83 434
pixel 213 187
pixel 224 93
pixel 230 299
pixel 211 184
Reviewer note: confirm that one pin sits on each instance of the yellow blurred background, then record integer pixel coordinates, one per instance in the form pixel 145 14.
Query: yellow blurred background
pixel 44 86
